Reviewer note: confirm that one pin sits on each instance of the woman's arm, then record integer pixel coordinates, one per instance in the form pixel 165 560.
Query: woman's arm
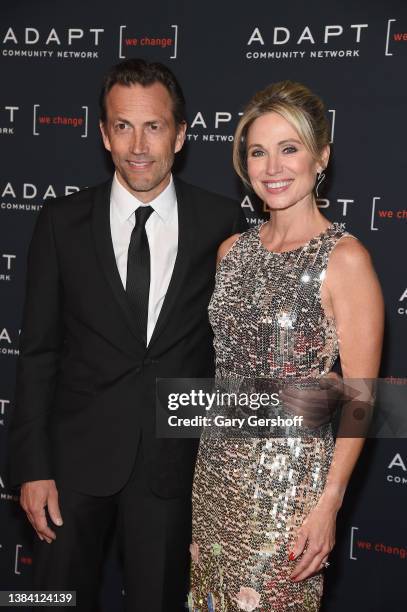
pixel 352 294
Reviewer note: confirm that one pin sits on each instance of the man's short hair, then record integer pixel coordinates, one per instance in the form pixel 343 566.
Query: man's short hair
pixel 134 71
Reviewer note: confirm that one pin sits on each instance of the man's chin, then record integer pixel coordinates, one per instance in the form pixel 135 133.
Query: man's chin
pixel 136 187
pixel 143 186
pixel 139 186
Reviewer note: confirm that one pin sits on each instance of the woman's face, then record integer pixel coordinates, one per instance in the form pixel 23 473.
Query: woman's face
pixel 281 170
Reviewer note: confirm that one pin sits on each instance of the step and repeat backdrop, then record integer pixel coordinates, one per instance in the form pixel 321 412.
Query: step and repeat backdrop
pixel 53 57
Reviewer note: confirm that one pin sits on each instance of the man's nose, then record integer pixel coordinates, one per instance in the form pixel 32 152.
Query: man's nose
pixel 139 143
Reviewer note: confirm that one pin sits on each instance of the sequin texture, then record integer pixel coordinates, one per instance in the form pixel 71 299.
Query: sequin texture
pixel 250 496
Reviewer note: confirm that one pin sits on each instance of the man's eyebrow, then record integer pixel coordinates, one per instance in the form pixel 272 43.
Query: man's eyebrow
pixel 123 120
pixel 120 119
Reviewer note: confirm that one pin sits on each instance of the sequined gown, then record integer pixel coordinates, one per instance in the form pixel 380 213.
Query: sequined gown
pixel 251 496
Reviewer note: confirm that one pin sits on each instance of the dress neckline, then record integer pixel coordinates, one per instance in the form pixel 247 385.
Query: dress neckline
pixel 330 227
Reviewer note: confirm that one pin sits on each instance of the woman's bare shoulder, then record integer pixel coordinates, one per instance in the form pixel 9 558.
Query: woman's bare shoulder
pixel 350 271
pixel 349 255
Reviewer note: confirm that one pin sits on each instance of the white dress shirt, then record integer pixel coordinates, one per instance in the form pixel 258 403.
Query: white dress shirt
pixel 162 234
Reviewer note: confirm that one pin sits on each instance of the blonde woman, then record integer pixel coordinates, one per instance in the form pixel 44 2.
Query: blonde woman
pixel 290 297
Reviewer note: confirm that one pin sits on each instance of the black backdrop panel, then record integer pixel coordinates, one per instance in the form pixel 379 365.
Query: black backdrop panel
pixel 53 57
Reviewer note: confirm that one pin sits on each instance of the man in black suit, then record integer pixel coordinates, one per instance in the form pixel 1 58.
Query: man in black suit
pixel 119 279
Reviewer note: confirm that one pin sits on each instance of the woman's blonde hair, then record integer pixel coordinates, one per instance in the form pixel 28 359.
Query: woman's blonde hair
pixel 303 109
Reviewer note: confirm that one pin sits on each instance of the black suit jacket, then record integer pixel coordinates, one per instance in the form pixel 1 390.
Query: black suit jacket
pixel 85 380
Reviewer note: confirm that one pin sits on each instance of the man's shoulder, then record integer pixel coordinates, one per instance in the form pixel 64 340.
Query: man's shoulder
pixel 204 196
pixel 79 199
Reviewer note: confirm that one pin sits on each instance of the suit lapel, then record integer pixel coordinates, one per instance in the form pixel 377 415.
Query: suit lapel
pixel 185 241
pixel 104 249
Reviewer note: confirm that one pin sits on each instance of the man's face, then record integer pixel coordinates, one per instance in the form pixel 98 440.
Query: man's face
pixel 141 134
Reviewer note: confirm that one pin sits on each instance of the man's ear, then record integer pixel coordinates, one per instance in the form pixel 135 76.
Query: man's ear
pixel 105 136
pixel 180 139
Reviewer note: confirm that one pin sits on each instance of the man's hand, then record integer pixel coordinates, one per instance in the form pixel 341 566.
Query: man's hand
pixel 316 406
pixel 34 498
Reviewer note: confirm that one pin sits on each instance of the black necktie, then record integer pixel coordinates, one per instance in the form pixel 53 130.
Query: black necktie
pixel 138 268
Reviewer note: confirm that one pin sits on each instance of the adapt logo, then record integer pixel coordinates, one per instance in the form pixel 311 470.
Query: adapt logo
pixel 8 342
pixel 65 43
pixel 219 126
pixel 7 119
pixel 397 470
pixel 340 204
pixel 7 262
pixel 165 41
pixel 28 196
pixel 402 310
pixel 4 493
pixel 216 126
pixel 4 404
pixel 307 41
pixel 253 207
pixel 78 119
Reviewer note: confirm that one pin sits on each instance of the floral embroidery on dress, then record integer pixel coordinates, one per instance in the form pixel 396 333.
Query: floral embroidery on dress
pixel 247 599
pixel 194 550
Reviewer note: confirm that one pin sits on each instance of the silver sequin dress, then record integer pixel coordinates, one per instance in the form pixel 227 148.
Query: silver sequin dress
pixel 250 496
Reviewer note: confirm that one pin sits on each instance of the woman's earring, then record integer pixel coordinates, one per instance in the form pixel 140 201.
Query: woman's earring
pixel 320 178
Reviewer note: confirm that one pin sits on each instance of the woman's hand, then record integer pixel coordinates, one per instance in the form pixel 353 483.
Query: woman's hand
pixel 316 537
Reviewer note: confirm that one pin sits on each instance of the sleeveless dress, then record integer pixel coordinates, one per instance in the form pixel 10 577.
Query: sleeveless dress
pixel 250 496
